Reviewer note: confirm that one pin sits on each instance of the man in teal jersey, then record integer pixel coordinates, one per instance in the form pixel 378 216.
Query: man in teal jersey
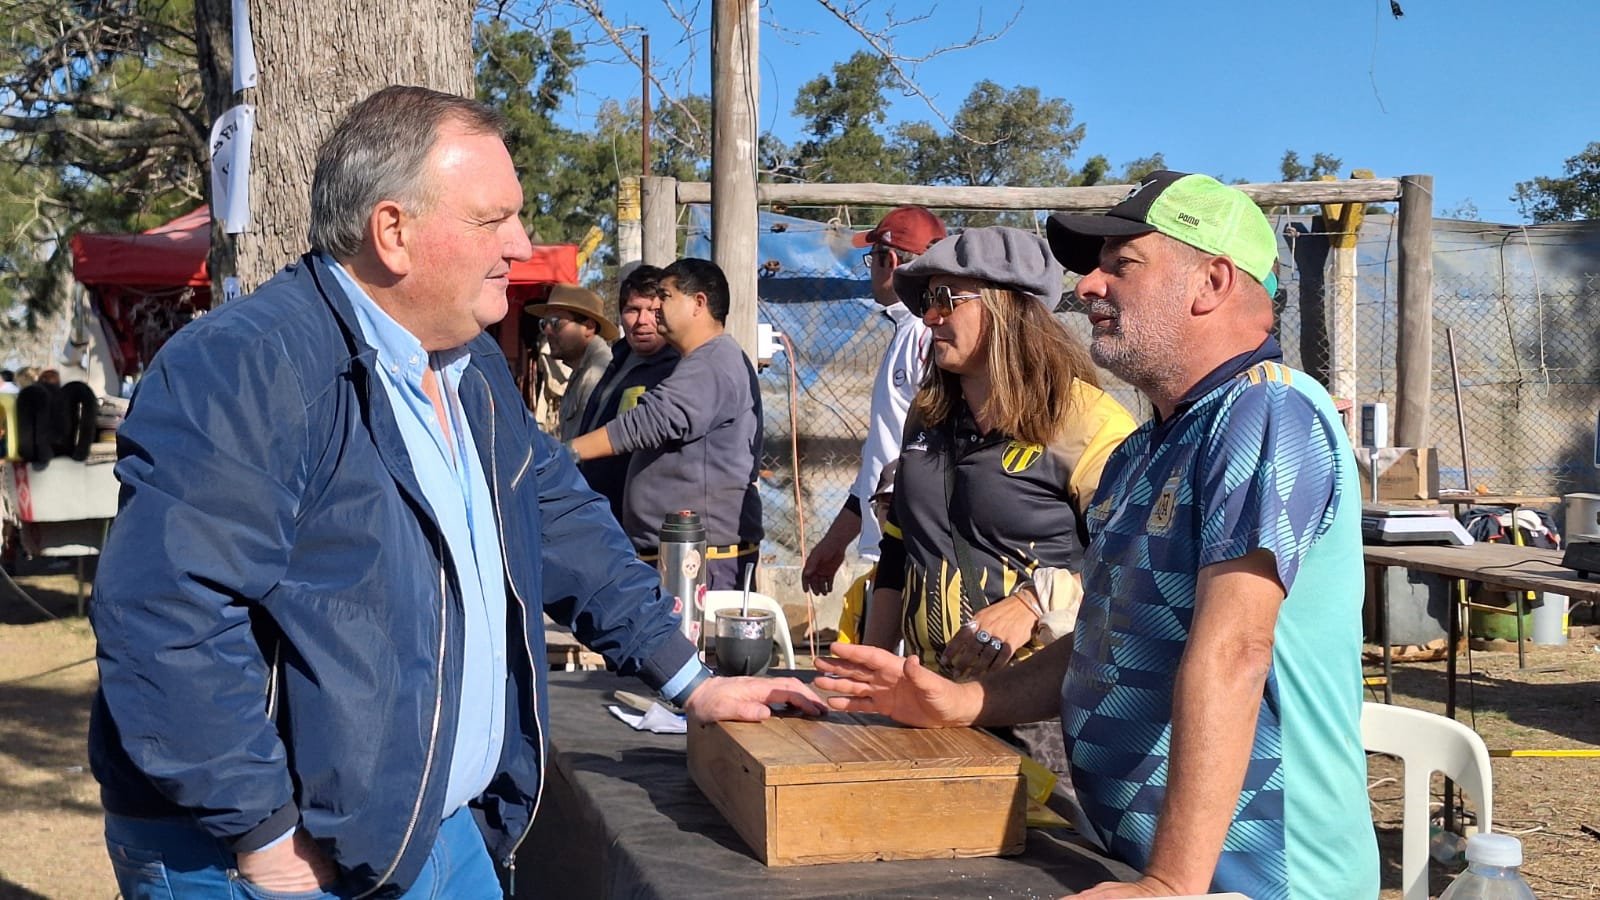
pixel 1211 695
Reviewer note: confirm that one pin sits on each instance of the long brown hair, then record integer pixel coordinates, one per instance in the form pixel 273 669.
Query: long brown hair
pixel 1033 361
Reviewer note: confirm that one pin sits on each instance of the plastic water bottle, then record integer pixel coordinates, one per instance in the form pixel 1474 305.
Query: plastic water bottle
pixel 1492 861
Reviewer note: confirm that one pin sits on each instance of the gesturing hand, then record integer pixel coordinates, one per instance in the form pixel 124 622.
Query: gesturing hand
pixel 877 681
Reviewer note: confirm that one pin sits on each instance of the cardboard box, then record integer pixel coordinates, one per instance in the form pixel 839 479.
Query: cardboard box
pixel 852 788
pixel 1404 473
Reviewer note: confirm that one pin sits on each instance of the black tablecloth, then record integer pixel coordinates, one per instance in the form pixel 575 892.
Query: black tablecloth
pixel 620 817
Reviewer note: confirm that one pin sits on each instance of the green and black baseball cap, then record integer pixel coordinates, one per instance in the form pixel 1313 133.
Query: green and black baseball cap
pixel 1196 209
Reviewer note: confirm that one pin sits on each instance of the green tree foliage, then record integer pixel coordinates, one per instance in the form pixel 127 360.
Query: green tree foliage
pixel 1015 137
pixel 570 177
pixel 1136 170
pixel 1005 137
pixel 842 112
pixel 1322 164
pixel 1575 195
pixel 100 129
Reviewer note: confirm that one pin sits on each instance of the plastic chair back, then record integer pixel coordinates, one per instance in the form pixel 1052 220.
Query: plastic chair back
pixel 716 600
pixel 1427 743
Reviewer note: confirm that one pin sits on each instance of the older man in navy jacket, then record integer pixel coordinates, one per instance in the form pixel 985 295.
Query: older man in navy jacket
pixel 319 610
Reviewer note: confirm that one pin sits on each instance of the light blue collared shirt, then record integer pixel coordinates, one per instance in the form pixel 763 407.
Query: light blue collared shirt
pixel 457 490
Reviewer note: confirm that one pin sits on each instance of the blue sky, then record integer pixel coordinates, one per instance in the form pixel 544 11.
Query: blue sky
pixel 1479 93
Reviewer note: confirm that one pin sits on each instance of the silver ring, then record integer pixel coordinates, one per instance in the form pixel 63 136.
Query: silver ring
pixel 997 644
pixel 982 636
pixel 972 624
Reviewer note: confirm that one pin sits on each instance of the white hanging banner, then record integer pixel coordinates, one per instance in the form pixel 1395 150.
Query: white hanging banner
pixel 244 48
pixel 230 168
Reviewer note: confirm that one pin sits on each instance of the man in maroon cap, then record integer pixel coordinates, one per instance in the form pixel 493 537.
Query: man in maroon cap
pixel 903 235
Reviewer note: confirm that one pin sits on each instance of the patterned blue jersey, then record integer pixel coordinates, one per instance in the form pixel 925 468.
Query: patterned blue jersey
pixel 1257 459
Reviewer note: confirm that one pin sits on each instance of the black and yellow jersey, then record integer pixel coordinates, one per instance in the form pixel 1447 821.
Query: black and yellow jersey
pixel 1018 505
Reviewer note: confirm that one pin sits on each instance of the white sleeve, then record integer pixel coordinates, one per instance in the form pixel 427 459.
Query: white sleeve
pixel 892 392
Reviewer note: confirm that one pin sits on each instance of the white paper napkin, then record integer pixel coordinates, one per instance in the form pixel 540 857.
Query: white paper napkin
pixel 658 719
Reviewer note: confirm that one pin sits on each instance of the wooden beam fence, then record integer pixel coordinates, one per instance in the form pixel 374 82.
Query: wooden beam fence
pixel 662 198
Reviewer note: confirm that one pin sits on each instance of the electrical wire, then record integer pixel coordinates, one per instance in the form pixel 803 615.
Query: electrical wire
pixel 799 504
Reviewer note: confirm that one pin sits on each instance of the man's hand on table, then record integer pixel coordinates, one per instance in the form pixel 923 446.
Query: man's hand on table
pixel 1144 887
pixel 293 866
pixel 877 681
pixel 749 699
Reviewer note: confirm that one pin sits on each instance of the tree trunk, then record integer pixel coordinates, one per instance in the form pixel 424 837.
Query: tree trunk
pixel 315 62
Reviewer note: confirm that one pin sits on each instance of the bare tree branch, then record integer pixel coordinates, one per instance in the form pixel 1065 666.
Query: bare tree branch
pixel 105 133
pixel 615 34
pixel 882 41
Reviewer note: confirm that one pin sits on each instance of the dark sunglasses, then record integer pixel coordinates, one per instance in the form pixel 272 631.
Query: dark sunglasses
pixel 944 301
pixel 882 256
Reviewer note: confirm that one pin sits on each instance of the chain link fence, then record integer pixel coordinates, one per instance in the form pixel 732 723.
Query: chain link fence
pixel 1525 351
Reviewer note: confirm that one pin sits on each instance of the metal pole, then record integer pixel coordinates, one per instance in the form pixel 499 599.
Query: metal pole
pixel 644 69
pixel 1461 422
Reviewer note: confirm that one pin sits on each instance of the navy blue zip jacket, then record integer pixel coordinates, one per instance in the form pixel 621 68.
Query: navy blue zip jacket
pixel 279 621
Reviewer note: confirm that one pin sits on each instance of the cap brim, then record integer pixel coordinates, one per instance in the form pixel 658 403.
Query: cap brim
pixel 1076 239
pixel 862 238
pixel 604 327
pixel 909 288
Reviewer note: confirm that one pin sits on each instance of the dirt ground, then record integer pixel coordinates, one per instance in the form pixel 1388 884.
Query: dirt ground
pixel 50 844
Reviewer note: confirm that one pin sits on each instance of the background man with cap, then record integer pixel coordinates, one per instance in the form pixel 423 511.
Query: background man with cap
pixel 580 335
pixel 1211 697
pixel 900 237
pixel 1004 445
pixel 638 363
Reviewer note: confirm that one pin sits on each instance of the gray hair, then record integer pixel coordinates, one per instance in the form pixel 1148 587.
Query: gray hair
pixel 379 151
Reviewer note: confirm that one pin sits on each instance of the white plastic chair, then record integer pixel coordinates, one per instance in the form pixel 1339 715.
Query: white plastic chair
pixel 1426 743
pixel 716 600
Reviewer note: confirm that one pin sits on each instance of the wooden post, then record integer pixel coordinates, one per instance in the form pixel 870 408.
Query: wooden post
pixel 1344 227
pixel 629 242
pixel 1413 349
pixel 658 197
pixel 1340 291
pixel 734 98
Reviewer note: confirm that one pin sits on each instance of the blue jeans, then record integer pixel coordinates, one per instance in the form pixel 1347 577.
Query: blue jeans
pixel 172 859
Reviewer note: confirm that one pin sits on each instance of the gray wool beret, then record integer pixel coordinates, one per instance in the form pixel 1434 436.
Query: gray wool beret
pixel 1009 257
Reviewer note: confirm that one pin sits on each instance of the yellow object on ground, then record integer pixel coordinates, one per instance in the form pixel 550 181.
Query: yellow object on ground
pixel 1040 781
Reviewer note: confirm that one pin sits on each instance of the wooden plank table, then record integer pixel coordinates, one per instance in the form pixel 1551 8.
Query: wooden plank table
pixel 564 650
pixel 1500 566
pixel 620 817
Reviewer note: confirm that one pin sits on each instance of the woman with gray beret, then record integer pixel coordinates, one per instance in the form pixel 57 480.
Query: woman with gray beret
pixel 1002 454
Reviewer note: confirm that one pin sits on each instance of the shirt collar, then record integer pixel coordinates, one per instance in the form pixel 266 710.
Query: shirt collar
pixel 896 312
pixel 1269 351
pixel 400 353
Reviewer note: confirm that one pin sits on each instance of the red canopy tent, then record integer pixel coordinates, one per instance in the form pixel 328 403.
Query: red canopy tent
pixel 148 285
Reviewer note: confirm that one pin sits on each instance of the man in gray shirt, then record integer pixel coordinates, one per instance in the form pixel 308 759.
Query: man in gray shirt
pixel 696 436
pixel 580 335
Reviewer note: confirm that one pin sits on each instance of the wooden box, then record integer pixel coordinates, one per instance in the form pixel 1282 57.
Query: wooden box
pixel 850 788
pixel 1404 473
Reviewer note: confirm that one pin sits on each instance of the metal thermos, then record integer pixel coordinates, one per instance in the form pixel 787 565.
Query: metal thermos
pixel 683 569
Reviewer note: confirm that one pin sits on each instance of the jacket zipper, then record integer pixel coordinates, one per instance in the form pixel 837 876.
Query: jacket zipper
pixel 533 699
pixel 433 732
pixel 272 681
